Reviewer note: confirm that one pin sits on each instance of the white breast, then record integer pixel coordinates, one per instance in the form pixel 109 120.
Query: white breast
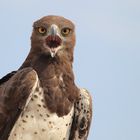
pixel 37 123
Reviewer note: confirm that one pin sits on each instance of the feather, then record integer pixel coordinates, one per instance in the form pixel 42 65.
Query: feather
pixel 7 77
pixel 13 95
pixel 82 117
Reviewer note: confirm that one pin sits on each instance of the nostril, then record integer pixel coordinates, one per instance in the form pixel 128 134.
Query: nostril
pixel 53 41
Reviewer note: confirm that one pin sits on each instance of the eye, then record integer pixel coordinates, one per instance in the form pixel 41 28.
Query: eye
pixel 65 31
pixel 42 30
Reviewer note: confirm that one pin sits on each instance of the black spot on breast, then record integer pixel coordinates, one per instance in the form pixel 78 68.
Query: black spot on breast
pixel 43 129
pixel 84 111
pixel 24 121
pixel 39 105
pixel 44 106
pixel 37 89
pixel 35 96
pixel 35 133
pixel 42 100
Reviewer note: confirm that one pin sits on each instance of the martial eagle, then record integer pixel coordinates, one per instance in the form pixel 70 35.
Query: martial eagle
pixel 40 100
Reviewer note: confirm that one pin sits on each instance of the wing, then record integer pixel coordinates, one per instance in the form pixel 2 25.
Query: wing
pixel 7 77
pixel 13 96
pixel 82 117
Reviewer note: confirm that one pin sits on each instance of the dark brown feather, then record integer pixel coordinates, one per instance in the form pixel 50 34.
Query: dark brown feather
pixel 7 77
pixel 59 97
pixel 13 95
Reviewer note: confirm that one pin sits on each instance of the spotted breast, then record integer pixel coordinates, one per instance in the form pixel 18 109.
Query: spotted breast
pixel 37 123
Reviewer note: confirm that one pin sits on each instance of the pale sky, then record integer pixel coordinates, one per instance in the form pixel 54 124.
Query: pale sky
pixel 107 55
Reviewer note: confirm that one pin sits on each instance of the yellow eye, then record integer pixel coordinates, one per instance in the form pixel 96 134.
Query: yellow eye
pixel 42 30
pixel 65 31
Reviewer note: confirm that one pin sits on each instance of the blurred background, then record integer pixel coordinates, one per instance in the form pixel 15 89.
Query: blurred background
pixel 107 55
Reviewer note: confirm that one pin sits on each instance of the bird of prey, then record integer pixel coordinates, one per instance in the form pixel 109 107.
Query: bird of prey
pixel 40 101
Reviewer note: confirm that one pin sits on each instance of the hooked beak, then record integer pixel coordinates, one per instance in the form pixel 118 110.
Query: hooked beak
pixel 53 30
pixel 53 40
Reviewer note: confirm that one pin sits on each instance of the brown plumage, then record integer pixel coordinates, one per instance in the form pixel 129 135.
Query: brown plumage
pixel 51 69
pixel 50 58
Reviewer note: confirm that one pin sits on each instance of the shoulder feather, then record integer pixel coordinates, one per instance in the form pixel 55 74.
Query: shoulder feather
pixel 7 77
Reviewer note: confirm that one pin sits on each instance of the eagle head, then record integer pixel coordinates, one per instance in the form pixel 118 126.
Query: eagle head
pixel 54 36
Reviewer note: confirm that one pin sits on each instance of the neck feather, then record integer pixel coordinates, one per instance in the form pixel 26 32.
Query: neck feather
pixel 56 78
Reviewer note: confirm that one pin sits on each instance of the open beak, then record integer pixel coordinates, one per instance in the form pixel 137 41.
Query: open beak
pixel 53 40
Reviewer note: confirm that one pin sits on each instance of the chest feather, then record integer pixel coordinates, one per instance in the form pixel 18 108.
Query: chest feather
pixel 37 123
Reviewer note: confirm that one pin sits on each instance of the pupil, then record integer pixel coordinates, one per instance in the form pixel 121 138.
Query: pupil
pixel 65 31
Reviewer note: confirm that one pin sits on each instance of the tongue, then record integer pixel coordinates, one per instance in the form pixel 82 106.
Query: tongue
pixel 53 52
